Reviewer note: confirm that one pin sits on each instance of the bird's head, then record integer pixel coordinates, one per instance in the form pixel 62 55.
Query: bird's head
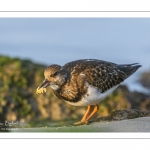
pixel 55 77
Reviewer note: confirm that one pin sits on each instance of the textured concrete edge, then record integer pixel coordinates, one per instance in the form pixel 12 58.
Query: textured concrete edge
pixel 141 124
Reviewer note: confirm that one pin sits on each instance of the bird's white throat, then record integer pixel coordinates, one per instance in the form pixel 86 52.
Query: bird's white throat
pixel 54 86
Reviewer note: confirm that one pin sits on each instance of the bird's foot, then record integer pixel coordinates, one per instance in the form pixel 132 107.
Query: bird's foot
pixel 80 123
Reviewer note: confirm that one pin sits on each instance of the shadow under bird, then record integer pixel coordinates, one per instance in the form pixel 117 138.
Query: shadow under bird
pixel 86 82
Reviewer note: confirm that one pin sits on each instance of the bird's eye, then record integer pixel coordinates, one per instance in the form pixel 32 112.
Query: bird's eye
pixel 54 74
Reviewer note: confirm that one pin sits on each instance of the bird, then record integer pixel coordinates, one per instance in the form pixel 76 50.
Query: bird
pixel 86 82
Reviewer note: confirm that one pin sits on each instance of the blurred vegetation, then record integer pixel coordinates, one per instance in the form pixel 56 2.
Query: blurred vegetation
pixel 19 80
pixel 145 79
pixel 17 84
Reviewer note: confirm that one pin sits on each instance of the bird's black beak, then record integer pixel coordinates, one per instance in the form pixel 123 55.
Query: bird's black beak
pixel 45 84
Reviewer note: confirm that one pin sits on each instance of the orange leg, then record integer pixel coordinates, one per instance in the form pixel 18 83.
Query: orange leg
pixel 83 120
pixel 96 108
pixel 86 113
pixel 86 117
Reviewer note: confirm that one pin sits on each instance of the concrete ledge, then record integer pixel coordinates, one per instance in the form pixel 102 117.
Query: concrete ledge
pixel 132 125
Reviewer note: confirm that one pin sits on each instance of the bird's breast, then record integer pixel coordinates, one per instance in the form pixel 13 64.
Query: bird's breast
pixel 73 90
pixel 92 96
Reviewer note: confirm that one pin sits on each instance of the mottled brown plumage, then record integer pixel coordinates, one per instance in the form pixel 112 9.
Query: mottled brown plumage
pixel 86 82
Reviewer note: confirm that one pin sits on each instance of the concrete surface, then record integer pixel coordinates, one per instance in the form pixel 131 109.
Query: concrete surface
pixel 141 124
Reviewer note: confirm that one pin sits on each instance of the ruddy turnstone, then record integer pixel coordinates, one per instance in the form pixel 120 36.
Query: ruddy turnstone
pixel 85 82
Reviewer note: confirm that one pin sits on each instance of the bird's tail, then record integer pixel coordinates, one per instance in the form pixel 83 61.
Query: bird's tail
pixel 129 69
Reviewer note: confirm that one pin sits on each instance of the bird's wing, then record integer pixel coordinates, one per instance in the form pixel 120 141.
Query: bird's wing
pixel 104 75
pixel 101 74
